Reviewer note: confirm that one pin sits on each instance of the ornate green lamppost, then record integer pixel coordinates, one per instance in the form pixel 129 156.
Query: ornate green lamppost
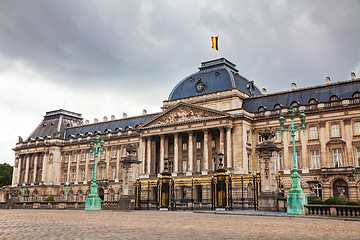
pixel 66 189
pixel 93 202
pixel 296 198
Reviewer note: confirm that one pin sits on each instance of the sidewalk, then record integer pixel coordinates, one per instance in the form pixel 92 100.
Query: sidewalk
pixel 275 214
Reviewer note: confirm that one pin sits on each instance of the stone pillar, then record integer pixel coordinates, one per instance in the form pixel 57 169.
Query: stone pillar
pixel 35 169
pixel 206 153
pixel 176 153
pixel 26 180
pixel 68 169
pixel 162 152
pixel 129 175
pixel 118 156
pixel 44 168
pixel 191 153
pixel 268 172
pixel 222 142
pixel 79 158
pixel 148 157
pixel 87 160
pixel 228 148
pixel 19 170
pixel 142 148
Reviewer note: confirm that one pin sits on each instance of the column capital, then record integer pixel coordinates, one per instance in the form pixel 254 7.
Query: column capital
pixel 229 126
pixel 206 130
pixel 190 132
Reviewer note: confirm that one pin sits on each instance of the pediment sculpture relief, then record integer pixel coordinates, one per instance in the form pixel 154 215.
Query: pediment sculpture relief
pixel 181 115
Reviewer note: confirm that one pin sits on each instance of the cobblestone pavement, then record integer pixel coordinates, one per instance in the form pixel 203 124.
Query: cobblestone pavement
pixel 77 224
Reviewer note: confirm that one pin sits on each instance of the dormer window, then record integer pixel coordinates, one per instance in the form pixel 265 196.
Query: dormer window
pixel 313 101
pixel 277 106
pixel 261 109
pixel 334 98
pixel 356 95
pixel 295 104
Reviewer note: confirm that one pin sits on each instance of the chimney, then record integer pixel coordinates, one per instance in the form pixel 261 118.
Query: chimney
pixel 328 80
pixel 353 76
pixel 263 91
pixel 105 119
pixel 96 120
pixel 144 112
pixel 112 117
pixel 293 86
pixel 87 121
pixel 124 115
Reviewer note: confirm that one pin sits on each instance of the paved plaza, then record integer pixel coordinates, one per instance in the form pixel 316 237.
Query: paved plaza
pixel 77 224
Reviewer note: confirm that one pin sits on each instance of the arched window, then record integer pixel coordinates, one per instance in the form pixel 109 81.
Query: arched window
pixel 313 101
pixel 80 196
pixel 261 109
pixel 295 104
pixel 340 189
pixel 277 106
pixel 112 195
pixel 356 95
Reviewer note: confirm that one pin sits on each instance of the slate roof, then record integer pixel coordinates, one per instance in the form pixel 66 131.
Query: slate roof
pixel 218 75
pixel 122 124
pixel 321 93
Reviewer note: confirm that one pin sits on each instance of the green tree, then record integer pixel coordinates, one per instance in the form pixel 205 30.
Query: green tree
pixel 6 172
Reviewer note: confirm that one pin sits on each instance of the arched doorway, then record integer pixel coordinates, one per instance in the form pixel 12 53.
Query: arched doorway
pixel 340 189
pixel 101 193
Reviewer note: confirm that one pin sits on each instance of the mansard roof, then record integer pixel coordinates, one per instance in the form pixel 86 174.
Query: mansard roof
pixel 214 76
pixel 109 126
pixel 321 93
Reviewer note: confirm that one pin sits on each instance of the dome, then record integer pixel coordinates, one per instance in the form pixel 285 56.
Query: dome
pixel 213 76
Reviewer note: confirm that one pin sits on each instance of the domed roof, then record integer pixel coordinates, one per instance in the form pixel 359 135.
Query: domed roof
pixel 214 76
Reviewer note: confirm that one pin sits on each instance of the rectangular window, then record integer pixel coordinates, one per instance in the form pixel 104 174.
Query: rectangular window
pixel 92 155
pixel 65 175
pixel 75 157
pixel 278 136
pixel 248 136
pixel 298 160
pixel 102 173
pixel 114 153
pixel 184 166
pixel 113 172
pixel 171 166
pixel 73 178
pixel 315 159
pixel 313 132
pixel 124 152
pixel 102 154
pixel 279 161
pixel 213 143
pixel 297 136
pixel 358 156
pixel 248 162
pixel 66 158
pixel 198 165
pixel 337 157
pixel 91 173
pixel 260 138
pixel 171 146
pixel 335 130
pixel 184 146
pixel 357 127
pixel 214 164
pixel 82 174
pixel 198 144
pixel 83 156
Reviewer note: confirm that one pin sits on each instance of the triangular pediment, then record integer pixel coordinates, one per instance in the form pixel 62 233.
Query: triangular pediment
pixel 184 113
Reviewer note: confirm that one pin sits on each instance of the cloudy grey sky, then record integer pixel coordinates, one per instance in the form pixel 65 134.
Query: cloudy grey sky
pixel 110 57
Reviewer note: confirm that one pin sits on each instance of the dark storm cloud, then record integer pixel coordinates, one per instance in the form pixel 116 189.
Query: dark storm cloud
pixel 141 44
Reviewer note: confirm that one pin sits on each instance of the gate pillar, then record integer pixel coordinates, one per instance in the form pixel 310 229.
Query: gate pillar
pixel 166 189
pixel 268 198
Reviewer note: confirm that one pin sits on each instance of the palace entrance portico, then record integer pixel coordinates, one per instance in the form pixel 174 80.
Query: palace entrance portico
pixel 191 137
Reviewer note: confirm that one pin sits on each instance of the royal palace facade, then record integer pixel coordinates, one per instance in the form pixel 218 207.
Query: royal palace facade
pixel 212 110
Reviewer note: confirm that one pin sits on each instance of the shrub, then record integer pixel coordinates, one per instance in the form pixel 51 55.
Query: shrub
pixel 352 203
pixel 50 199
pixel 334 201
pixel 316 201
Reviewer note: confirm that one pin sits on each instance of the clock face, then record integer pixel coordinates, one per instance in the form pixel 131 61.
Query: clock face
pixel 200 85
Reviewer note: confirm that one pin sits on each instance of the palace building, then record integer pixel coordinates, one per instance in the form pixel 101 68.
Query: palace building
pixel 215 109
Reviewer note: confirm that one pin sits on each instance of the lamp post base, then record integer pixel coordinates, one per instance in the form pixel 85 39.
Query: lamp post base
pixel 297 198
pixel 93 202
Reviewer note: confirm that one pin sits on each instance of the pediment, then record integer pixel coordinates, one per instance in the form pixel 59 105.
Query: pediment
pixel 184 113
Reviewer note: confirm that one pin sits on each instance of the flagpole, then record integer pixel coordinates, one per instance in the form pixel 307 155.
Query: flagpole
pixel 218 47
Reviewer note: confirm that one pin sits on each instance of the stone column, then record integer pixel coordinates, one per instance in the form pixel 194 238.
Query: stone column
pixel 79 158
pixel 228 148
pixel 142 148
pixel 176 153
pixel 148 157
pixel 44 168
pixel 191 153
pixel 222 142
pixel 118 155
pixel 206 152
pixel 268 199
pixel 87 160
pixel 19 170
pixel 162 152
pixel 35 169
pixel 26 180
